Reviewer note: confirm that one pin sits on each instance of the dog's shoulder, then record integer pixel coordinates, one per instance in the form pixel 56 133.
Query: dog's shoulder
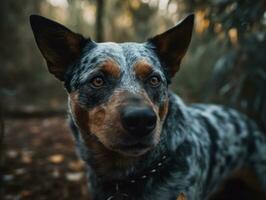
pixel 220 115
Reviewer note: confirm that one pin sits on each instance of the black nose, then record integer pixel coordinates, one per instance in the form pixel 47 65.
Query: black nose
pixel 138 120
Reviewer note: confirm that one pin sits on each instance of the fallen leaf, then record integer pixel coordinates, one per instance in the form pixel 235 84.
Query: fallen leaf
pixel 75 165
pixel 74 176
pixel 56 158
pixel 35 129
pixel 55 173
pixel 20 171
pixel 26 157
pixel 25 193
pixel 12 153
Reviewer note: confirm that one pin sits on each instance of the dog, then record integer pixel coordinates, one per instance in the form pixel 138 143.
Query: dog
pixel 139 140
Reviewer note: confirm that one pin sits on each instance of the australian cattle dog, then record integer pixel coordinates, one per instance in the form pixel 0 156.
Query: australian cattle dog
pixel 139 140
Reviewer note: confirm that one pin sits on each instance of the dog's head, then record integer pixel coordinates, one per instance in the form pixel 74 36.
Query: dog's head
pixel 118 91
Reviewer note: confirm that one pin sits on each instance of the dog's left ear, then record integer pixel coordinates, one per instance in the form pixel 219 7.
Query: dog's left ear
pixel 172 45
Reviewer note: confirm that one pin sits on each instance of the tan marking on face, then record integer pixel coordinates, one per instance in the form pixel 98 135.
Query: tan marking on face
pixel 81 116
pixel 111 67
pixel 163 110
pixel 142 69
pixel 104 123
pixel 97 117
pixel 105 120
pixel 103 132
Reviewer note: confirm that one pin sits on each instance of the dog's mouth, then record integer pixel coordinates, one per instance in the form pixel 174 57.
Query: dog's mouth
pixel 133 146
pixel 137 149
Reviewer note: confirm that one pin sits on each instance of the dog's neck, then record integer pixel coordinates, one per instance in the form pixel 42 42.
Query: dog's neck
pixel 126 187
pixel 120 175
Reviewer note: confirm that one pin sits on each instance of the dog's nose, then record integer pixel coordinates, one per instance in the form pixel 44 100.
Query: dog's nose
pixel 138 120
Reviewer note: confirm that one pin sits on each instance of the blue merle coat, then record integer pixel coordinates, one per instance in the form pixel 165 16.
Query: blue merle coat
pixel 189 149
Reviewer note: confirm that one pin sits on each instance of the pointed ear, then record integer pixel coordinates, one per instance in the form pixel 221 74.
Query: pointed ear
pixel 172 45
pixel 58 45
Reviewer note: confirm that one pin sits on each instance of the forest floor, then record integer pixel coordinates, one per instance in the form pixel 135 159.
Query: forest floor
pixel 40 163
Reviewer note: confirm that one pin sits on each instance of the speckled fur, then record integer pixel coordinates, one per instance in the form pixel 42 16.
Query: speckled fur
pixel 204 143
pixel 207 143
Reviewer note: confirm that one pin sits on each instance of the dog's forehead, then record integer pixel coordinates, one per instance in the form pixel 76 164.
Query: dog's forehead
pixel 124 54
pixel 124 59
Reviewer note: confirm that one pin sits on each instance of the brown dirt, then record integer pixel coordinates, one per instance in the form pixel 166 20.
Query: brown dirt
pixel 40 161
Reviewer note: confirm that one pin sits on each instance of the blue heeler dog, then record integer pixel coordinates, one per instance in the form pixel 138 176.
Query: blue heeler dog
pixel 138 139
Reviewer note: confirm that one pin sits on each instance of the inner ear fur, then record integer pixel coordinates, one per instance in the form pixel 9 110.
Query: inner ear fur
pixel 171 46
pixel 58 45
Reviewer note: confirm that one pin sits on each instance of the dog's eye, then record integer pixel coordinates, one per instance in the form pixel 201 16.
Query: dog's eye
pixel 97 82
pixel 154 81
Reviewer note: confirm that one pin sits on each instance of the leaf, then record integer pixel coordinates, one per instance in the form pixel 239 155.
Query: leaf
pixel 74 176
pixel 56 173
pixel 26 157
pixel 20 171
pixel 12 153
pixel 56 158
pixel 25 193
pixel 75 165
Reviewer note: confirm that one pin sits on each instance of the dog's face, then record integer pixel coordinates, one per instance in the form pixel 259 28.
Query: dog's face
pixel 121 91
pixel 117 91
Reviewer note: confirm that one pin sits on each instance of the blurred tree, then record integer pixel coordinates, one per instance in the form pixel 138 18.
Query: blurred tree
pixel 99 21
pixel 240 74
pixel 18 62
pixel 230 38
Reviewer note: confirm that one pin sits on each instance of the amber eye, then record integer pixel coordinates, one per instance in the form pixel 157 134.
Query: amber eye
pixel 97 82
pixel 155 81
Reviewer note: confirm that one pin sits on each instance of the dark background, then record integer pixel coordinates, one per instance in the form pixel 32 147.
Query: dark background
pixel 226 64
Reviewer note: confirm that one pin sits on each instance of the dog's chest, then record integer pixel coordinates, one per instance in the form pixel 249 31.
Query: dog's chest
pixel 141 185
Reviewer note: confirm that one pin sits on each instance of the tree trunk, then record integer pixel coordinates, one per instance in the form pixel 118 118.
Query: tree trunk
pixel 99 21
pixel 1 139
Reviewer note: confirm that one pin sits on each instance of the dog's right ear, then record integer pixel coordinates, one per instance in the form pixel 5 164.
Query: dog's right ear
pixel 59 46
